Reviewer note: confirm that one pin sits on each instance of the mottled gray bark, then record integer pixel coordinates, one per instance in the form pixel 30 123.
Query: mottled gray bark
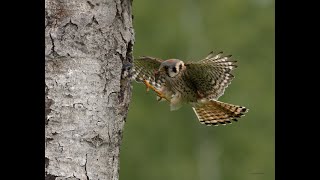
pixel 88 48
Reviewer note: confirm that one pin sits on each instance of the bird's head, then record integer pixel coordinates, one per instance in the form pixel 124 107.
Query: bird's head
pixel 171 67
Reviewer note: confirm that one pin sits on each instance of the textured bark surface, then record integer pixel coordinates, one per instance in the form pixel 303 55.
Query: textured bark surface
pixel 88 47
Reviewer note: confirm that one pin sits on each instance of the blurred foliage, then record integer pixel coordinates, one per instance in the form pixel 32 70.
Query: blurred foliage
pixel 159 144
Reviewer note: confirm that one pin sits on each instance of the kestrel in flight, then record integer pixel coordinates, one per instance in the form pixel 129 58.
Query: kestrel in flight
pixel 197 83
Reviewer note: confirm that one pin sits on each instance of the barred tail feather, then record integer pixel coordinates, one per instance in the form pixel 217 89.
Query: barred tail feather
pixel 216 112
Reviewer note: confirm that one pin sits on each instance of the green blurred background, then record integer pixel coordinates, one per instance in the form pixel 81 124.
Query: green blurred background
pixel 159 144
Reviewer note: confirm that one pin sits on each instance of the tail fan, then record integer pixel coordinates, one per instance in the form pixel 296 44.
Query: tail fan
pixel 216 112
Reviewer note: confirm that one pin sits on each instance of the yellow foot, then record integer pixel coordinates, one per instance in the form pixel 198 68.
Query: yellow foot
pixel 149 86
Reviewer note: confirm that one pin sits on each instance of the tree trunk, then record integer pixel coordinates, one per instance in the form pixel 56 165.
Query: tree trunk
pixel 88 48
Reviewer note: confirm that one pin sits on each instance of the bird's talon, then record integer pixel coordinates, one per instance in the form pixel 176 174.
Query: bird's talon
pixel 149 86
pixel 160 96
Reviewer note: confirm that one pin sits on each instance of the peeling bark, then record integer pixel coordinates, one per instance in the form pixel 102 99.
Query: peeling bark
pixel 88 47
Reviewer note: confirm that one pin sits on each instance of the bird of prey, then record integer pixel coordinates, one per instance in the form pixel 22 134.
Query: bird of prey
pixel 198 83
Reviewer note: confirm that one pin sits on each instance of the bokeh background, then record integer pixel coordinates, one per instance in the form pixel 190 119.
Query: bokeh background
pixel 159 144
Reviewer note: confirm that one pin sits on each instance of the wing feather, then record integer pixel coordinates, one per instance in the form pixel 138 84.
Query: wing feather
pixel 211 75
pixel 144 69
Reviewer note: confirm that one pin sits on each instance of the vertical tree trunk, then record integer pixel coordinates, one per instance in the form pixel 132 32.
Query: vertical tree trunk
pixel 88 47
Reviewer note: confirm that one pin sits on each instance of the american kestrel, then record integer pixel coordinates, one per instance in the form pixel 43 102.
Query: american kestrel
pixel 197 83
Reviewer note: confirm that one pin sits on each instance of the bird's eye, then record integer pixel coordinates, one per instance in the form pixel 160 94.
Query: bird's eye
pixel 180 66
pixel 174 69
pixel 166 68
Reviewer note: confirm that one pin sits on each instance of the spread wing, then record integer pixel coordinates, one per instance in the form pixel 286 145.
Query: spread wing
pixel 144 69
pixel 211 75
